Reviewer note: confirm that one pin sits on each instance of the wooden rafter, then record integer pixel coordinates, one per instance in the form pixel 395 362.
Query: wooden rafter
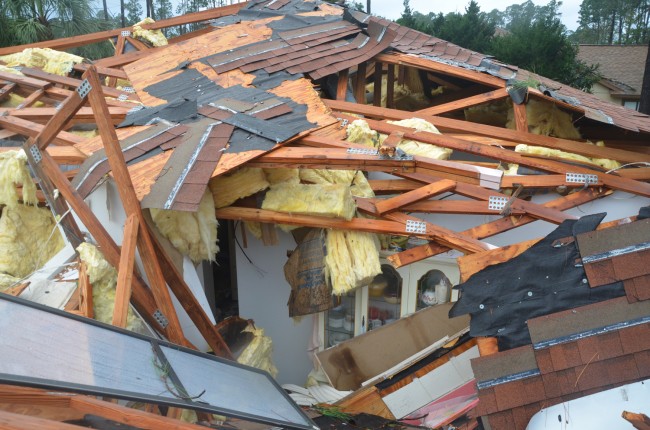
pixel 454 125
pixel 464 103
pixel 86 39
pixel 416 195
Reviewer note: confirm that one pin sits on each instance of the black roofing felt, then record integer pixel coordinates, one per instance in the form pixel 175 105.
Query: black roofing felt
pixel 179 110
pixel 190 84
pixel 542 280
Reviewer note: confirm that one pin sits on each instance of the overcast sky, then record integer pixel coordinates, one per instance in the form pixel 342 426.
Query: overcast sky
pixel 392 9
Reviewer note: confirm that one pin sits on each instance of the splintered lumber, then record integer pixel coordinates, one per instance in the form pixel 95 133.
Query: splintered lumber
pixel 498 94
pixel 521 118
pixel 495 227
pixel 638 421
pixel 472 263
pixel 367 401
pixel 416 195
pixel 125 272
pixel 85 291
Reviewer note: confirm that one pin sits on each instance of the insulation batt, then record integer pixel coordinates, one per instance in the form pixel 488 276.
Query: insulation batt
pixel 539 150
pixel 155 37
pixel 259 352
pixel 103 278
pixel 193 233
pixel 330 200
pixel 28 239
pixel 352 259
pixel 325 176
pixel 48 60
pixel 243 183
pixel 7 281
pixel 14 171
pixel 412 147
pixel 546 119
pixel 360 186
pixel 275 176
pixel 358 131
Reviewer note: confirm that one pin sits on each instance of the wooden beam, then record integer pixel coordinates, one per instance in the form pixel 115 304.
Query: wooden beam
pixel 103 71
pixel 138 44
pixel 6 90
pixel 32 129
pixel 46 114
pixel 11 421
pixel 543 181
pixel 360 87
pixel 416 195
pixel 125 272
pixel 495 227
pixel 446 237
pixel 31 99
pixel 464 103
pixel 187 299
pixel 273 217
pixel 133 417
pixel 75 83
pixel 142 296
pixel 447 69
pixel 472 263
pixel 378 76
pixel 75 41
pixel 132 207
pixel 342 84
pixel 521 118
pixel 390 87
pixel 612 181
pixel 60 154
pixel 85 291
pixel 455 125
pixel 458 207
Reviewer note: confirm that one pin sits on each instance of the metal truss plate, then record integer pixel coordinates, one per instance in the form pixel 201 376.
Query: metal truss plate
pixel 128 89
pixel 497 203
pixel 160 318
pixel 125 33
pixel 122 97
pixel 418 227
pixel 84 88
pixel 581 178
pixel 362 151
pixel 36 154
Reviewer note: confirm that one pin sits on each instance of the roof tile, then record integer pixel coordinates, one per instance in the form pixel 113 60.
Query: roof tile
pixel 642 360
pixel 487 402
pixel 635 338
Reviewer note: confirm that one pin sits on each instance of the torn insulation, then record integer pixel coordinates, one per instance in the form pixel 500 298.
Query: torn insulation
pixel 227 189
pixel 193 233
pixel 329 200
pixel 352 259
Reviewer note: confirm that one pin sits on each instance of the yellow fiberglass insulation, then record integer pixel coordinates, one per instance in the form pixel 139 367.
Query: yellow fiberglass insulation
pixel 103 278
pixel 255 228
pixel 546 119
pixel 155 37
pixel 193 233
pixel 352 259
pixel 412 147
pixel 226 189
pixel 275 176
pixel 360 186
pixel 358 131
pixel 46 59
pixel 330 200
pixel 7 281
pixel 28 239
pixel 259 352
pixel 326 176
pixel 14 171
pixel 547 152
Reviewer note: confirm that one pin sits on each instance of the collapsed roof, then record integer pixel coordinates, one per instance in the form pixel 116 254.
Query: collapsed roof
pixel 277 86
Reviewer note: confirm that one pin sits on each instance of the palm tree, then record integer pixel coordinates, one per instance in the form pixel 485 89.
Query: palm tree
pixel 29 21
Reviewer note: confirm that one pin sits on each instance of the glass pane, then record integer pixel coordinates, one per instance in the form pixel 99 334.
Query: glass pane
pixel 339 320
pixel 48 348
pixel 434 287
pixel 384 297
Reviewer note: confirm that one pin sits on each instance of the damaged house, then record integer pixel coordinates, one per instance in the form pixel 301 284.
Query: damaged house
pixel 374 218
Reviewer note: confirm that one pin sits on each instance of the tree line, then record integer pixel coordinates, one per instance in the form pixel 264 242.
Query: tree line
pixel 30 21
pixel 534 38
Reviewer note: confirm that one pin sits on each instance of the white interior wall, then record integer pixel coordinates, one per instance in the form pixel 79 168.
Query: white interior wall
pixel 263 296
pixel 106 205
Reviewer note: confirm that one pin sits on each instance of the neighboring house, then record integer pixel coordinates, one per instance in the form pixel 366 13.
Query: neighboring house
pixel 622 69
